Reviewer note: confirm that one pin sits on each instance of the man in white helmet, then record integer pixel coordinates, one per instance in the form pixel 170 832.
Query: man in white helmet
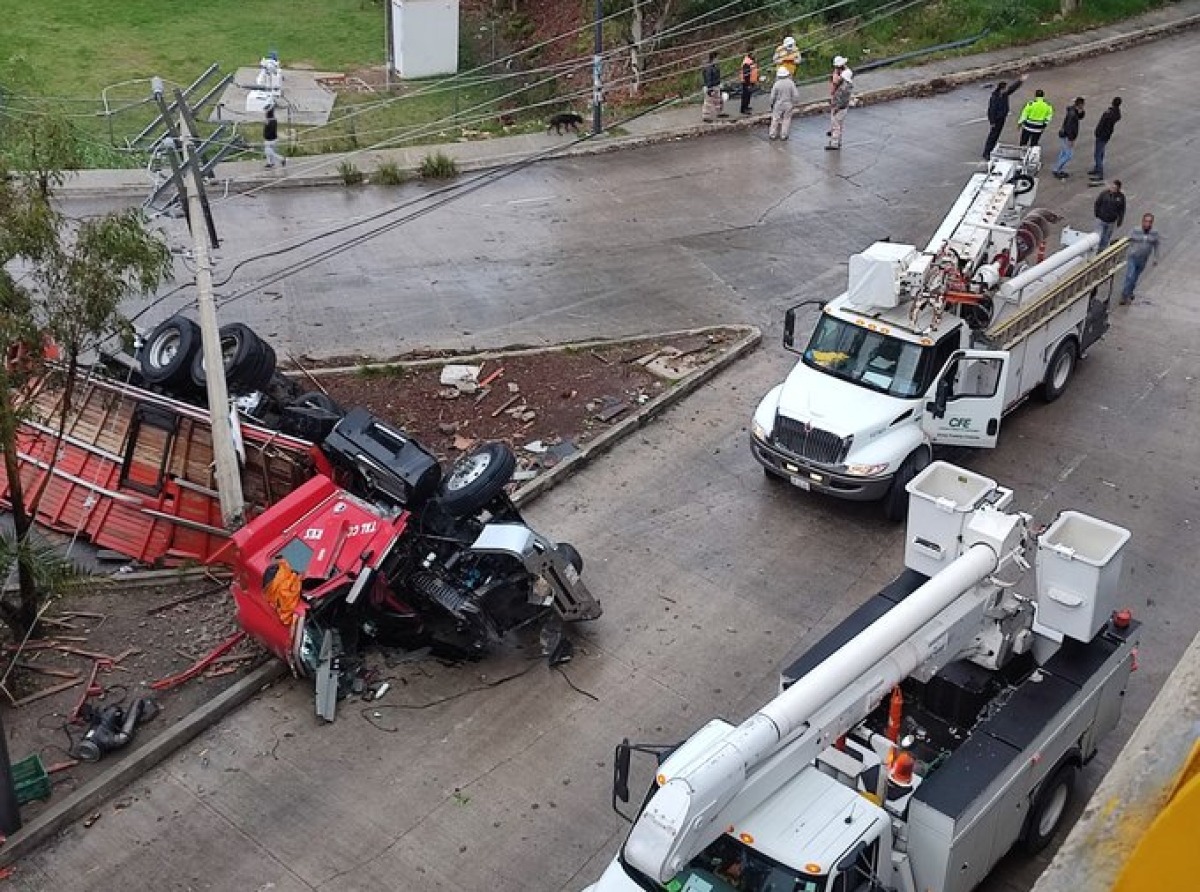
pixel 787 55
pixel 784 99
pixel 841 85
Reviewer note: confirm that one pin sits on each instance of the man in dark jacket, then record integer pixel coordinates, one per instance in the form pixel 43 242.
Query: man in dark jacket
pixel 1104 132
pixel 1068 133
pixel 714 102
pixel 1110 212
pixel 998 113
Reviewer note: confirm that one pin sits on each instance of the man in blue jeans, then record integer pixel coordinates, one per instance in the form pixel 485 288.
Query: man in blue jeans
pixel 1143 244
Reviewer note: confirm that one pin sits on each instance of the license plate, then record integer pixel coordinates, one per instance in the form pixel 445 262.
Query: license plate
pixel 801 482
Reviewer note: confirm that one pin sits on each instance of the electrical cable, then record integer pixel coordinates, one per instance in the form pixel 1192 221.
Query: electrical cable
pixel 449 192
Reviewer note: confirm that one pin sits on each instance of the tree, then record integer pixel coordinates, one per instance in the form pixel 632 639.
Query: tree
pixel 61 282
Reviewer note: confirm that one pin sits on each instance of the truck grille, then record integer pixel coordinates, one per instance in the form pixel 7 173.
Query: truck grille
pixel 812 443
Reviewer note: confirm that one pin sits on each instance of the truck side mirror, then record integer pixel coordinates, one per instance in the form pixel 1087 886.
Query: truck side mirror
pixel 621 771
pixel 789 323
pixel 789 329
pixel 937 407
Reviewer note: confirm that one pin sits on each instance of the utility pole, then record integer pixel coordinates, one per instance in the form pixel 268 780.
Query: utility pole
pixel 228 472
pixel 597 65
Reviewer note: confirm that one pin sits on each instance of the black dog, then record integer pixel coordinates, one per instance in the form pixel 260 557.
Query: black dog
pixel 570 120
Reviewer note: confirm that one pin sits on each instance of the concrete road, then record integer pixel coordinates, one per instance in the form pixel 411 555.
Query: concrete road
pixel 711 576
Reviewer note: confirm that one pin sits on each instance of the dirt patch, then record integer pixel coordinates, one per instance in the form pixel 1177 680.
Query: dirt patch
pixel 545 405
pixel 152 633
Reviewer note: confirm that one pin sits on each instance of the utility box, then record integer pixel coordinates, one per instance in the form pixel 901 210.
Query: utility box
pixel 1078 571
pixel 941 500
pixel 424 37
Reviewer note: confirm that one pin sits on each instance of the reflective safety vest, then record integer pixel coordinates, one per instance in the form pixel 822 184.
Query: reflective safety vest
pixel 749 70
pixel 1036 115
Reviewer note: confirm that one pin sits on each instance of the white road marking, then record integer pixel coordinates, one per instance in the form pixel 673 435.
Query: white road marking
pixel 531 200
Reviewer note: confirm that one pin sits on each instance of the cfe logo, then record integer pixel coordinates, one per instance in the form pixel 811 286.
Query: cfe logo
pixel 960 423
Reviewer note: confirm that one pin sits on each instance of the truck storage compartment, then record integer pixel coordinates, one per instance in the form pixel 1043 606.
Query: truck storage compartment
pixel 1078 569
pixel 942 498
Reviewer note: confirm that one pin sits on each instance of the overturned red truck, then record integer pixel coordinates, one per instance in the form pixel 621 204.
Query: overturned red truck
pixel 382 546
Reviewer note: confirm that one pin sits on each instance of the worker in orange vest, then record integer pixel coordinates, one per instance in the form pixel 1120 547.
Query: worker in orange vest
pixel 749 78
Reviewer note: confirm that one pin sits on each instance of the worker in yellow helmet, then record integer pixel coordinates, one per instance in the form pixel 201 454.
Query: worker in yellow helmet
pixel 1035 118
pixel 787 55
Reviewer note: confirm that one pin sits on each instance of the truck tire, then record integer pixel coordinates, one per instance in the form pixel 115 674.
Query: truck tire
pixel 895 503
pixel 318 400
pixel 249 361
pixel 1060 370
pixel 167 355
pixel 477 478
pixel 1049 805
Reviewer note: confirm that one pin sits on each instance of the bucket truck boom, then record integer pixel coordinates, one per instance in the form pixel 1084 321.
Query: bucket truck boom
pixel 796 794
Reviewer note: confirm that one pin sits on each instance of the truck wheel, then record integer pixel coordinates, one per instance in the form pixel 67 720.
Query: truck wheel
pixel 1060 370
pixel 1049 806
pixel 477 478
pixel 168 351
pixel 249 361
pixel 895 503
pixel 318 400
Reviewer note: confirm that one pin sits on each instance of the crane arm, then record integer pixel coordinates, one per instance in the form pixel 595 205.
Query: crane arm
pixel 680 820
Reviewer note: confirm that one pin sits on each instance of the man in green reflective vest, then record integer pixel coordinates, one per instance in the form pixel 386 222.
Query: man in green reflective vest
pixel 1035 118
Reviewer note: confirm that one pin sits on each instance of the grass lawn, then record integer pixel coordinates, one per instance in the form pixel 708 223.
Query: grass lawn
pixel 75 48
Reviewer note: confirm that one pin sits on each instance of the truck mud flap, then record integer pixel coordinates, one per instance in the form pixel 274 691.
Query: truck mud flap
pixel 540 556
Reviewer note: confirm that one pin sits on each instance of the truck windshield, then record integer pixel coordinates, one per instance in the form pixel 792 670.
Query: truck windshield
pixel 868 358
pixel 730 866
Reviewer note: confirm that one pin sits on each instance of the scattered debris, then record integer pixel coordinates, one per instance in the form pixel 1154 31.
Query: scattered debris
pixel 501 410
pixel 47 692
pixel 499 373
pixel 601 358
pixel 449 393
pixel 537 447
pixel 448 427
pixel 165 684
pixel 462 444
pixel 514 387
pixel 610 408
pixel 91 819
pixel 454 375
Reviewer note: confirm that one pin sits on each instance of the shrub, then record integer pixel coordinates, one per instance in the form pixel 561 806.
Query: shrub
pixel 350 173
pixel 388 173
pixel 438 166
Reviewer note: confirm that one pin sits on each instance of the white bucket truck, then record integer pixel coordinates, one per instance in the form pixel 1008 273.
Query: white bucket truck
pixel 931 347
pixel 941 723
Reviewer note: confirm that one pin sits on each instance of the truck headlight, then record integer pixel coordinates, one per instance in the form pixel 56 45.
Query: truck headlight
pixel 759 432
pixel 866 470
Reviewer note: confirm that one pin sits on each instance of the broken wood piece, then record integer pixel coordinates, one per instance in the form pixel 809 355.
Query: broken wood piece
pixel 80 652
pixel 127 652
pixel 184 599
pixel 35 644
pixel 601 358
pixel 61 766
pixel 82 614
pixel 492 377
pixel 233 658
pixel 611 412
pixel 48 692
pixel 72 639
pixel 58 623
pixel 200 665
pixel 47 670
pixel 510 402
pixel 223 670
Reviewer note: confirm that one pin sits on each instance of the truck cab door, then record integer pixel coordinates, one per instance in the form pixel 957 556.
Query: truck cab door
pixel 964 405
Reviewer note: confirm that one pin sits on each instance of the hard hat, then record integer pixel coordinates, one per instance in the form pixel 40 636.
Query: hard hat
pixel 789 43
pixel 783 71
pixel 839 61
